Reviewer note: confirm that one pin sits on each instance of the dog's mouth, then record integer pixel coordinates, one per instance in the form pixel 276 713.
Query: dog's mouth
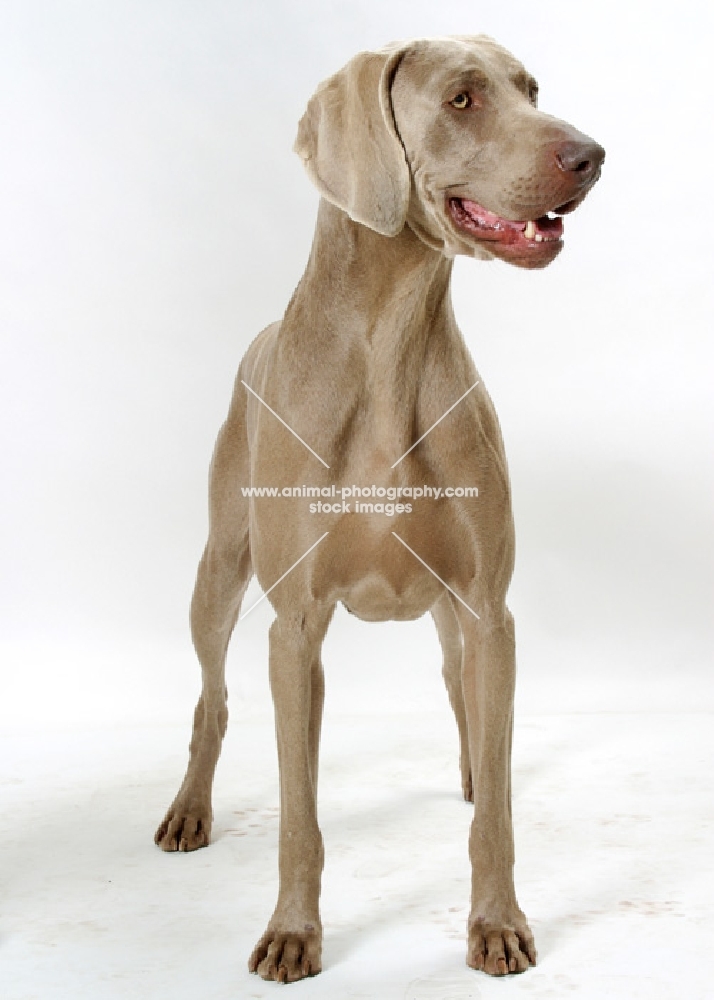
pixel 518 236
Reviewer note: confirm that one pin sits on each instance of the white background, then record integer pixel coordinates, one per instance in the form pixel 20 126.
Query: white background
pixel 154 219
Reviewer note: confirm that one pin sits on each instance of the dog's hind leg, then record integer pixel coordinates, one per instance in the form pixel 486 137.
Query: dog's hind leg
pixel 223 575
pixel 449 632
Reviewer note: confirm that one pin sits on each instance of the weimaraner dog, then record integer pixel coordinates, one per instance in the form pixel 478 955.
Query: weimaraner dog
pixel 420 151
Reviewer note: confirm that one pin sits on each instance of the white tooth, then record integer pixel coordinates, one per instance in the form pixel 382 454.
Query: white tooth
pixel 539 238
pixel 530 231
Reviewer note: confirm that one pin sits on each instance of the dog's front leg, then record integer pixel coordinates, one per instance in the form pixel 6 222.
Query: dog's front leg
pixel 291 947
pixel 500 940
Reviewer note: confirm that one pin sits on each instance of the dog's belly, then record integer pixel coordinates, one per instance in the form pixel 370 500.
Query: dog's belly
pixel 393 571
pixel 374 599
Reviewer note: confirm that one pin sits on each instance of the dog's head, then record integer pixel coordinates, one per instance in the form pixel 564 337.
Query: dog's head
pixel 444 136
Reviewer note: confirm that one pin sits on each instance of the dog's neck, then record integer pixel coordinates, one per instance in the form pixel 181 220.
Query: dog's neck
pixel 369 304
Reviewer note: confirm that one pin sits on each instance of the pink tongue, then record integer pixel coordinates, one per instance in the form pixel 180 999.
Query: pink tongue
pixel 549 227
pixel 490 218
pixel 545 226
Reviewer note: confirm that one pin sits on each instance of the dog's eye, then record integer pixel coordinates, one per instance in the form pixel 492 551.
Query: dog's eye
pixel 533 95
pixel 461 102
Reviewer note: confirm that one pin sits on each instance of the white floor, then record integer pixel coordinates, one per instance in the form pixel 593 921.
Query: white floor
pixel 613 817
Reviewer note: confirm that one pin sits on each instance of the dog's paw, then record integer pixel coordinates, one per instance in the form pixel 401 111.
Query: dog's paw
pixel 286 956
pixel 499 949
pixel 184 829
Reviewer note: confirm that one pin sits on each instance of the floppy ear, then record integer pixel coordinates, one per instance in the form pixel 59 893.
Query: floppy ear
pixel 349 144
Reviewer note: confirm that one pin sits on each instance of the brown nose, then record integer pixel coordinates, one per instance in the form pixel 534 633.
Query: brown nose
pixel 582 158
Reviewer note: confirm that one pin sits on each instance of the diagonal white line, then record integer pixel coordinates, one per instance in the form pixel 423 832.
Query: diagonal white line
pixel 435 574
pixel 453 405
pixel 283 576
pixel 286 425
